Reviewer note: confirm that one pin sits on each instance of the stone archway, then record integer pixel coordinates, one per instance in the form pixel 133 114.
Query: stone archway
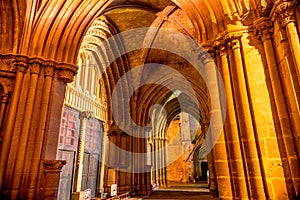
pixel 257 154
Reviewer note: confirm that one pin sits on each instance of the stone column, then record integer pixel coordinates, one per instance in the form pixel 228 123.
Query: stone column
pixel 219 150
pixel 245 122
pixel 83 116
pixel 232 133
pixel 156 166
pixel 20 64
pixel 19 165
pixel 165 142
pixel 264 27
pixel 31 133
pixel 3 105
pixel 104 162
pixel 286 16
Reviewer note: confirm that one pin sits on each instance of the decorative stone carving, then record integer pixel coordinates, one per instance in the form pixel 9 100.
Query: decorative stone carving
pixel 53 165
pixel 5 97
pixel 265 7
pixel 264 28
pixel 21 63
pixel 6 63
pixel 86 115
pixel 233 42
pixel 13 63
pixel 67 72
pixel 285 13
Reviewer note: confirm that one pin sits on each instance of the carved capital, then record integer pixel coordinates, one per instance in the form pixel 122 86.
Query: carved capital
pixel 6 62
pixel 5 97
pixel 49 69
pixel 86 115
pixel 20 63
pixel 285 12
pixel 53 165
pixel 233 41
pixel 264 28
pixel 221 47
pixel 66 72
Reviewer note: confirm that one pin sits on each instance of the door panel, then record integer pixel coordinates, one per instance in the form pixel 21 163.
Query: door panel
pixel 90 172
pixel 66 176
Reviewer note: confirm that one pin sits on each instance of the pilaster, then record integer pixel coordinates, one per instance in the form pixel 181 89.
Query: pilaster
pixel 29 138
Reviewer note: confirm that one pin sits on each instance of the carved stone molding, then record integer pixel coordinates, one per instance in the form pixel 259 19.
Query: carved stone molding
pixel 67 72
pixel 86 115
pixel 6 63
pixel 64 71
pixel 53 165
pixel 234 43
pixel 21 63
pixel 265 7
pixel 264 28
pixel 227 40
pixel 220 46
pixel 285 12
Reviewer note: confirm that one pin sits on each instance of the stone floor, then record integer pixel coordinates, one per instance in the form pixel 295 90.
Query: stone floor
pixel 190 191
pixel 170 195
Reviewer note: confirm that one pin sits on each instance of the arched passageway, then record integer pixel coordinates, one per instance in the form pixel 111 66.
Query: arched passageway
pixel 233 66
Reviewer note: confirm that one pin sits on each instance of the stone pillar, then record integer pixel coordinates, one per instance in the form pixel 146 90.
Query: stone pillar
pixel 3 105
pixel 286 16
pixel 31 126
pixel 232 133
pixel 165 142
pixel 20 65
pixel 245 122
pixel 264 27
pixel 219 150
pixel 156 166
pixel 83 116
pixel 104 168
pixel 52 169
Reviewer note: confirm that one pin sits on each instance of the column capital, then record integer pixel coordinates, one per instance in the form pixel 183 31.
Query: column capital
pixel 20 63
pixel 221 47
pixel 66 72
pixel 264 28
pixel 53 165
pixel 15 62
pixel 233 40
pixel 86 115
pixel 285 12
pixel 5 97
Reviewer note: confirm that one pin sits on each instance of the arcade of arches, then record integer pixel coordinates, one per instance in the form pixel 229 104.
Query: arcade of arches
pixel 58 74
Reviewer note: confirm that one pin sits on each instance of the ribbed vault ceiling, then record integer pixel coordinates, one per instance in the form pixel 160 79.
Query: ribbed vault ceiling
pixel 55 30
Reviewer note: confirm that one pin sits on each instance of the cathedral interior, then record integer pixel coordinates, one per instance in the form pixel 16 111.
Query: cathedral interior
pixel 149 94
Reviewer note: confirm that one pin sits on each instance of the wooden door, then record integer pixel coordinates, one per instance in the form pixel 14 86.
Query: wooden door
pixel 66 176
pixel 90 172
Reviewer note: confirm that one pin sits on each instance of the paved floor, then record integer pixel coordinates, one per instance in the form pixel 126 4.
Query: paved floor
pixel 170 195
pixel 190 191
